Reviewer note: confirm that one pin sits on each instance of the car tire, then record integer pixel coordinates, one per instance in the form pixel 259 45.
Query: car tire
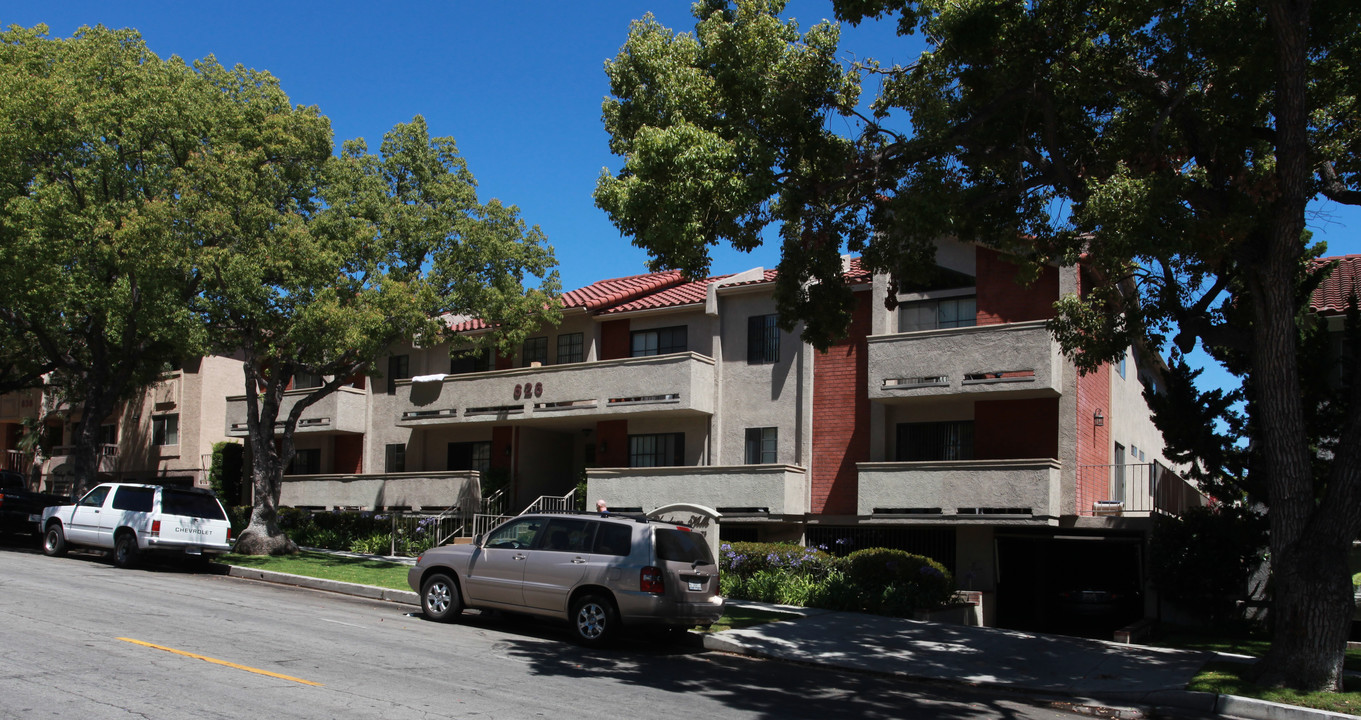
pixel 54 541
pixel 440 598
pixel 594 620
pixel 125 550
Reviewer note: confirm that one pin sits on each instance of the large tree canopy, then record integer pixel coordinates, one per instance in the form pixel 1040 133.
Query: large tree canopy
pixel 1172 147
pixel 95 280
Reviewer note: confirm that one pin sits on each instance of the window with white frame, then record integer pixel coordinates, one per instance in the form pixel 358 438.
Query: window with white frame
pixel 762 445
pixel 955 312
pixel 165 430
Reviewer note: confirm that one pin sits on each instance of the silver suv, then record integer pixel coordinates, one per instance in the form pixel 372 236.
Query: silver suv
pixel 596 571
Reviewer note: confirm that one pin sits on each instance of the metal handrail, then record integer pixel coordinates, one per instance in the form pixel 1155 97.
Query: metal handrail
pixel 553 504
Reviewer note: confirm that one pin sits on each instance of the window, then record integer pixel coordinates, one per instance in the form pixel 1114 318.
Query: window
pixel 95 498
pixel 922 442
pixel 305 462
pixel 612 539
pixel 396 458
pixel 763 340
pixel 108 434
pixel 515 534
pixel 305 381
pixel 761 445
pixel 399 368
pixel 165 430
pixel 191 504
pixel 1121 367
pixel 535 351
pixel 661 341
pixel 567 535
pixel 571 349
pixel 682 546
pixel 470 362
pixel 937 314
pixel 470 456
pixel 1118 476
pixel 660 450
pixel 135 499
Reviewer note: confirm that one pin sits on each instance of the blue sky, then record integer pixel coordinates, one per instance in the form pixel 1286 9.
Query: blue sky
pixel 518 85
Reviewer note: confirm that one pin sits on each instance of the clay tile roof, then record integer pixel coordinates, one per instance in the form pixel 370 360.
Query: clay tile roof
pixel 604 293
pixel 688 293
pixel 1331 295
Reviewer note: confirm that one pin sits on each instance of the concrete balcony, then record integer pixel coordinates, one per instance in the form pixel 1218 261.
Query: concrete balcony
pixel 16 406
pixel 988 491
pixel 676 384
pixel 1015 360
pixel 409 490
pixel 343 411
pixel 772 490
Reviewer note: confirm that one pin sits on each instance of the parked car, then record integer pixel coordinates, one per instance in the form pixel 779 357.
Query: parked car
pixel 20 508
pixel 130 520
pixel 598 572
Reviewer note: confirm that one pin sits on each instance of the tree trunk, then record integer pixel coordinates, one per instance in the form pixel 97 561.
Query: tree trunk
pixel 1311 616
pixel 263 535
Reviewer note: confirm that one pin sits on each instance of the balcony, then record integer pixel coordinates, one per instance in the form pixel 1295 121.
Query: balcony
pixel 342 411
pixel 409 490
pixel 1135 490
pixel 772 490
pixel 16 406
pixel 676 384
pixel 992 491
pixel 1016 360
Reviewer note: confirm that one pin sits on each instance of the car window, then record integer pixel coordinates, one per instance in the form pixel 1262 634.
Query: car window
pixel 95 497
pixel 682 546
pixel 567 535
pixel 135 499
pixel 515 534
pixel 190 504
pixel 613 539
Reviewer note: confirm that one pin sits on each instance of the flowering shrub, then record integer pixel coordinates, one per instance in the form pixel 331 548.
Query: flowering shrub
pixel 876 580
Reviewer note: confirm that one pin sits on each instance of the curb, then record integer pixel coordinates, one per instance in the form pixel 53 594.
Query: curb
pixel 1147 706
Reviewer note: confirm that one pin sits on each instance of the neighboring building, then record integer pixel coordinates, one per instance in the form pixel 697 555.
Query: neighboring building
pixel 165 435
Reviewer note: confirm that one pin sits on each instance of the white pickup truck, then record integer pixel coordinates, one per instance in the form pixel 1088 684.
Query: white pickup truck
pixel 130 520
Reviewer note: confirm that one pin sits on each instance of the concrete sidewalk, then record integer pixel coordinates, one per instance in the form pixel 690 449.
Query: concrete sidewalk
pixel 1100 678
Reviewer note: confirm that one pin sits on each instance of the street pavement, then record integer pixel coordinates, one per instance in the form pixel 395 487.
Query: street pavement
pixel 1100 678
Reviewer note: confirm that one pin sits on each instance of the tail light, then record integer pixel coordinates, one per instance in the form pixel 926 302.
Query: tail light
pixel 156 527
pixel 231 534
pixel 651 581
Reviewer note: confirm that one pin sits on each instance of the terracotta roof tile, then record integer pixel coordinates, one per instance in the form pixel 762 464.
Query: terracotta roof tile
pixel 1331 295
pixel 604 293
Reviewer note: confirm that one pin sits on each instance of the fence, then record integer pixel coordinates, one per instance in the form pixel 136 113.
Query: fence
pixel 1134 488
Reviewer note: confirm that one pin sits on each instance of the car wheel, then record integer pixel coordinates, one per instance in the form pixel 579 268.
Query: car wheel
pixel 593 619
pixel 440 599
pixel 125 550
pixel 54 541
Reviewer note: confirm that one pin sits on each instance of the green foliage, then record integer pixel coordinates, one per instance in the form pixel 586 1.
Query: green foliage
pixel 885 582
pixel 224 471
pixel 1202 560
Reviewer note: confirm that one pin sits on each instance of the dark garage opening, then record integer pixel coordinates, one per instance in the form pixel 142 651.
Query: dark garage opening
pixel 1077 585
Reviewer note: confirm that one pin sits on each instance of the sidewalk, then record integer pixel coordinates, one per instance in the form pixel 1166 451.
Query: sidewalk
pixel 1100 678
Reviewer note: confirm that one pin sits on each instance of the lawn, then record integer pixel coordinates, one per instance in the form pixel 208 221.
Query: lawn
pixel 1230 678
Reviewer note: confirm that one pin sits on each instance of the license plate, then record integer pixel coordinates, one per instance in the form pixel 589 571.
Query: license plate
pixel 696 586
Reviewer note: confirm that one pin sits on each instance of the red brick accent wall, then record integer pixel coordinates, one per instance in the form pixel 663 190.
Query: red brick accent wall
pixel 614 339
pixel 1015 429
pixel 1093 443
pixel 612 443
pixel 349 454
pixel 502 445
pixel 1001 299
pixel 502 363
pixel 841 418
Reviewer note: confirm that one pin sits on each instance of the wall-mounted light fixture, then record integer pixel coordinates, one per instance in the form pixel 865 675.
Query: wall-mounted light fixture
pixel 1098 418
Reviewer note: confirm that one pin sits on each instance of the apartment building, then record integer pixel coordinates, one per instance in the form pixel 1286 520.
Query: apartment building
pixel 163 435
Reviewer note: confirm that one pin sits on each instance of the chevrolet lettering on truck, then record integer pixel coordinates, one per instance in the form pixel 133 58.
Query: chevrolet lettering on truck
pixel 130 520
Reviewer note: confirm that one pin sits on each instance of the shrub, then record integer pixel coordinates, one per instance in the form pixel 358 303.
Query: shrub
pixel 896 582
pixel 375 544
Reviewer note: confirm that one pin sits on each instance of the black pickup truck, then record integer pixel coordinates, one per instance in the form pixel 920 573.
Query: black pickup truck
pixel 21 510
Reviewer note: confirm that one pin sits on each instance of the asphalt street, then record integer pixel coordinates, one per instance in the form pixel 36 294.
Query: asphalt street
pixel 84 639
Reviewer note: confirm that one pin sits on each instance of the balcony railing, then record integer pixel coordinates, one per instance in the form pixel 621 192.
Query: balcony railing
pixel 661 384
pixel 1015 359
pixel 18 461
pixel 343 411
pixel 1022 491
pixel 1136 489
pixel 733 490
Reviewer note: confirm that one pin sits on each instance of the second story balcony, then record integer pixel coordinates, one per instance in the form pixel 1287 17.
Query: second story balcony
pixel 675 384
pixel 1135 490
pixel 17 406
pixel 1015 359
pixel 343 411
pixel 772 490
pixel 996 491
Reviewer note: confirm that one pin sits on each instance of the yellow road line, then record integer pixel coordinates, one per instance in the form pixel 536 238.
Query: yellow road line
pixel 215 661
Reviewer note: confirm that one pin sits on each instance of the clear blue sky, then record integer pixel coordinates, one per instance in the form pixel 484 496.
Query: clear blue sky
pixel 518 85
